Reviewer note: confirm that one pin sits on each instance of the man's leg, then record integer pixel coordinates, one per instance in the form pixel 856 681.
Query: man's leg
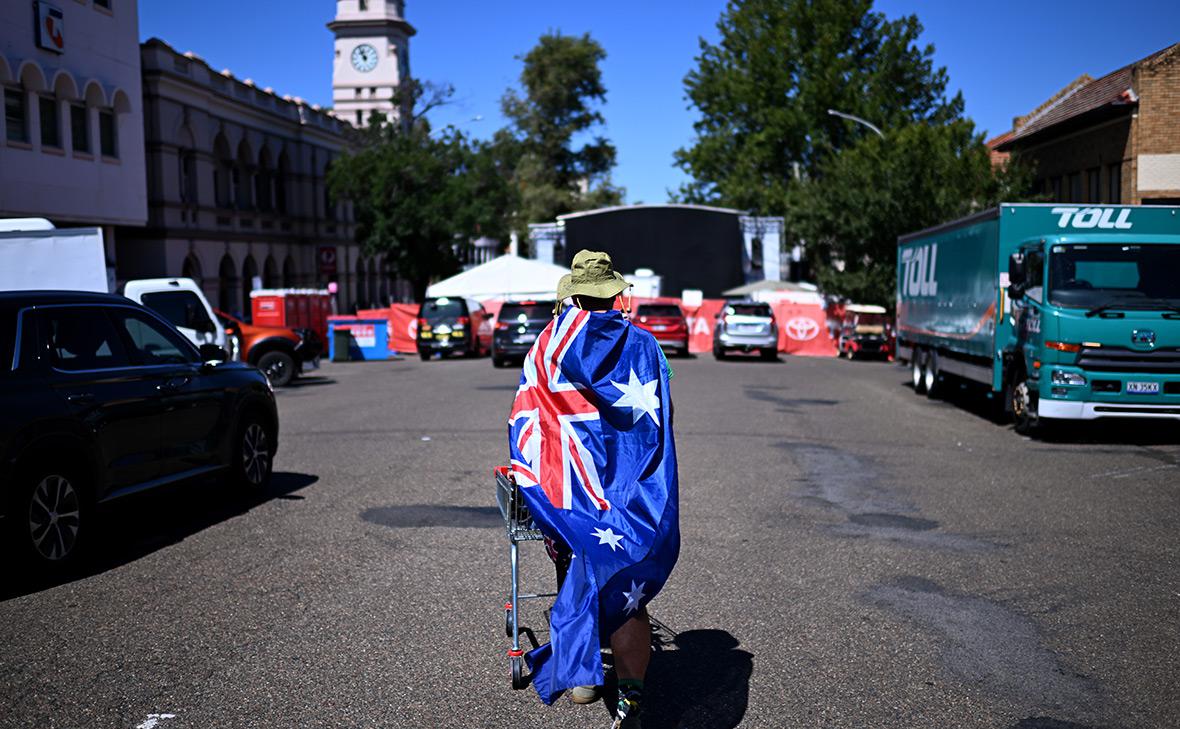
pixel 631 647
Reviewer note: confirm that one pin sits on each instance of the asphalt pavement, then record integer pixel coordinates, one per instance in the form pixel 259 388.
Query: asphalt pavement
pixel 854 555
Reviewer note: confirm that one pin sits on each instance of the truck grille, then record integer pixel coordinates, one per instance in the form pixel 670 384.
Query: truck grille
pixel 1120 359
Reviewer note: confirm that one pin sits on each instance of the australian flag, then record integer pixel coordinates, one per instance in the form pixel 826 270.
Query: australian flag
pixel 591 445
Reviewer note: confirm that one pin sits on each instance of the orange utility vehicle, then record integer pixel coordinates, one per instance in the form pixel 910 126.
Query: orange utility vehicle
pixel 280 352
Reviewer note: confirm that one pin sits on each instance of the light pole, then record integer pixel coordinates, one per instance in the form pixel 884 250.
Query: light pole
pixel 858 120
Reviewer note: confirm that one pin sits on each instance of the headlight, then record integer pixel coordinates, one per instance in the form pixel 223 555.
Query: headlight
pixel 1068 378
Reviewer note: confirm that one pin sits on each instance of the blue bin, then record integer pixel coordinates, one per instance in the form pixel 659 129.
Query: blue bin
pixel 368 339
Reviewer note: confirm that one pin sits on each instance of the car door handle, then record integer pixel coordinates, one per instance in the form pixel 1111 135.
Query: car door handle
pixel 173 384
pixel 80 398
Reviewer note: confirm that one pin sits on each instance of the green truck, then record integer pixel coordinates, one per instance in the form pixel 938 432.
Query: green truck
pixel 1066 312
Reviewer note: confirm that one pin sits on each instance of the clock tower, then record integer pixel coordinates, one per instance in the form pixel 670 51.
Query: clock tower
pixel 372 57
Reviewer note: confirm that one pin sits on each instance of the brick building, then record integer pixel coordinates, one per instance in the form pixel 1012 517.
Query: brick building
pixel 1115 139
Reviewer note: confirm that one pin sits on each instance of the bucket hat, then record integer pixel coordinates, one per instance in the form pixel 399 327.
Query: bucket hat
pixel 591 274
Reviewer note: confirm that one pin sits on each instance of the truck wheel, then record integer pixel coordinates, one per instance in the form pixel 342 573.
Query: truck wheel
pixel 279 368
pixel 931 377
pixel 917 371
pixel 1021 401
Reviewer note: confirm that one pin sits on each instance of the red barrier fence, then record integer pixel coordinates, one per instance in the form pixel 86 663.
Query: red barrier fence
pixel 802 327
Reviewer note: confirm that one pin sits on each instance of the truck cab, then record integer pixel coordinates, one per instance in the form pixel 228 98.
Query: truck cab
pixel 1095 327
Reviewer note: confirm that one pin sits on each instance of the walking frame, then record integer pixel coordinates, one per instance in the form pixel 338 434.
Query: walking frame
pixel 519 525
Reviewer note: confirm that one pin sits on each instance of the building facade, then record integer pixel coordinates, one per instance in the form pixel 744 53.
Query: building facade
pixel 372 57
pixel 1113 140
pixel 71 137
pixel 237 198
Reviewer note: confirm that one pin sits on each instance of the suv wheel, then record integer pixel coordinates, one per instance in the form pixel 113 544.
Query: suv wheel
pixel 424 354
pixel 253 454
pixel 50 518
pixel 279 368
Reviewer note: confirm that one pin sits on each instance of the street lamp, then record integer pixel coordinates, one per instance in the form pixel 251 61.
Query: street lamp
pixel 858 120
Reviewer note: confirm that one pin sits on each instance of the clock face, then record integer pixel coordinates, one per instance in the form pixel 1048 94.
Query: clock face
pixel 364 58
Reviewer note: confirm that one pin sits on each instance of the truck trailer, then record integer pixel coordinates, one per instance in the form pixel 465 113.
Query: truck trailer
pixel 1065 312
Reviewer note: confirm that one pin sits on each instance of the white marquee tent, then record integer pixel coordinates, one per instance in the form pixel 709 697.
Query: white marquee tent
pixel 508 276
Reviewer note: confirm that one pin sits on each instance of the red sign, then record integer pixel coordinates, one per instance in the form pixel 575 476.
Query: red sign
pixel 326 257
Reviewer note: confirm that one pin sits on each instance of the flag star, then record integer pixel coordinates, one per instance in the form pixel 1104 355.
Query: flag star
pixel 633 597
pixel 639 396
pixel 608 537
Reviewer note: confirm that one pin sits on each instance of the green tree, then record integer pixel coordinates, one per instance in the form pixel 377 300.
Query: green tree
pixel 420 198
pixel 561 87
pixel 764 89
pixel 862 199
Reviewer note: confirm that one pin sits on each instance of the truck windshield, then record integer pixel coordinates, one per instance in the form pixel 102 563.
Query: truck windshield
pixel 1114 275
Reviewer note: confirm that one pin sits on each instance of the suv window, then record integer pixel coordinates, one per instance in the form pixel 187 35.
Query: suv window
pixel 82 339
pixel 182 308
pixel 442 308
pixel 748 310
pixel 534 312
pixel 152 343
pixel 658 310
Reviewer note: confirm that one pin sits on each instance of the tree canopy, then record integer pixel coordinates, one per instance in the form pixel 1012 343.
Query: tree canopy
pixel 764 90
pixel 862 199
pixel 420 198
pixel 561 88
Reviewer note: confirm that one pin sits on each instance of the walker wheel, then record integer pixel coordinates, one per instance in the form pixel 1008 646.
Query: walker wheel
pixel 508 620
pixel 519 680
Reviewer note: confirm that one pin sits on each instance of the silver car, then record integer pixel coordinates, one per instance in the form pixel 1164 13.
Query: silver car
pixel 747 326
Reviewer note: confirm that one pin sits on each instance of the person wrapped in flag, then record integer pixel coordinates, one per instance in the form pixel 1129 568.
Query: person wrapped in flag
pixel 591 446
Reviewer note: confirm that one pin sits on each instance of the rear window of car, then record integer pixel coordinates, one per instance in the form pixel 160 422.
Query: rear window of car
pixel 436 309
pixel 534 312
pixel 658 310
pixel 182 308
pixel 748 310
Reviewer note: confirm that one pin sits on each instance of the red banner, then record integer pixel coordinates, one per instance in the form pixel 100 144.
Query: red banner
pixel 803 329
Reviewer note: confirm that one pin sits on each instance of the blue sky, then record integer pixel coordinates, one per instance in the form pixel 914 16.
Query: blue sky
pixel 1006 56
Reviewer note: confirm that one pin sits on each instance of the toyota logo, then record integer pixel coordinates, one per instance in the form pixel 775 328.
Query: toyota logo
pixel 412 329
pixel 801 329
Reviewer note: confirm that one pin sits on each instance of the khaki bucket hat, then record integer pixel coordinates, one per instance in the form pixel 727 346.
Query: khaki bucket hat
pixel 591 274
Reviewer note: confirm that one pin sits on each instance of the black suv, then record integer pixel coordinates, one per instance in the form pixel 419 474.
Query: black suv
pixel 517 326
pixel 448 324
pixel 103 398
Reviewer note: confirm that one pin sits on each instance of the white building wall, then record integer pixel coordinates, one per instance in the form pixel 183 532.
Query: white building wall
pixel 381 25
pixel 98 68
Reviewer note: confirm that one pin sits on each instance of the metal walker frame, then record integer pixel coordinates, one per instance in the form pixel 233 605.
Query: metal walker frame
pixel 520 527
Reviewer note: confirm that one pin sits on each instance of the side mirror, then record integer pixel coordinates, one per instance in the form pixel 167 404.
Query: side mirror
pixel 1016 276
pixel 213 353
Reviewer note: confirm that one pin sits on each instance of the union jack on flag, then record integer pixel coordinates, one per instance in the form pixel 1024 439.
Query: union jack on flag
pixel 591 444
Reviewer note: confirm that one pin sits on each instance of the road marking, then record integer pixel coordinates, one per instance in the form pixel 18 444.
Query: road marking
pixel 153 719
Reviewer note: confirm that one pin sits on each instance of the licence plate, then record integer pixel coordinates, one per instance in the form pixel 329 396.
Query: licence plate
pixel 525 339
pixel 747 328
pixel 1143 388
pixel 659 328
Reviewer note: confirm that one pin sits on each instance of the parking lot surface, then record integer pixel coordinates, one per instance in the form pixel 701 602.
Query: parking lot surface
pixel 853 556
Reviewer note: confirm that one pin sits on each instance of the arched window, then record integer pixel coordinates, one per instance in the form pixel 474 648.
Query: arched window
pixel 359 284
pixel 223 173
pixel 186 167
pixel 281 183
pixel 227 284
pixel 249 271
pixel 329 204
pixel 262 182
pixel 270 273
pixel 191 268
pixel 374 290
pixel 243 178
pixel 289 272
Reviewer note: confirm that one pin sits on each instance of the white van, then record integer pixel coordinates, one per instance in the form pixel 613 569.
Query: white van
pixel 180 301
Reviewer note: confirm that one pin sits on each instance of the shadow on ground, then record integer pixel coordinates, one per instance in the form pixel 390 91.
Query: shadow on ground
pixel 973 399
pixel 434 515
pixel 308 381
pixel 698 679
pixel 136 526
